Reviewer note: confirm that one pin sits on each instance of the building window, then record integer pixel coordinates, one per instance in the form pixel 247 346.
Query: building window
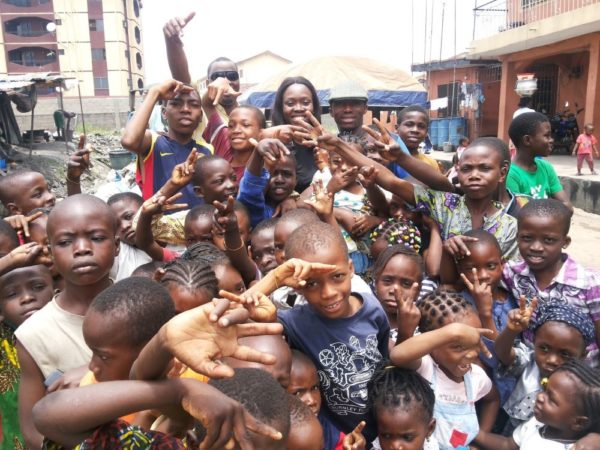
pixel 96 25
pixel 100 83
pixel 32 56
pixel 27 26
pixel 140 84
pixel 138 60
pixel 58 21
pixel 452 91
pixel 136 8
pixel 138 35
pixel 99 54
pixel 531 3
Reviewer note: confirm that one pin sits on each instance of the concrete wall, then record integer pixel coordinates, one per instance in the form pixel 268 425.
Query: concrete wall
pixel 100 112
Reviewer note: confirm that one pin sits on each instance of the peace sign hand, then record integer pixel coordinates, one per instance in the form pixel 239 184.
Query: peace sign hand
pixel 173 29
pixel 182 173
pixel 518 319
pixel 409 315
pixel 159 204
pixel 481 292
pixel 224 217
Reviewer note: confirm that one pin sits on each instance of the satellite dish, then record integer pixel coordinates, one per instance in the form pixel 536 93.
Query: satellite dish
pixel 51 27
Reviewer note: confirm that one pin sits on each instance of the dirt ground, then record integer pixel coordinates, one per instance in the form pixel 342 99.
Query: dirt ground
pixel 585 239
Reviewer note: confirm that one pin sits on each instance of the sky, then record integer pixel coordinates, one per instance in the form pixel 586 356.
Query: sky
pixel 392 31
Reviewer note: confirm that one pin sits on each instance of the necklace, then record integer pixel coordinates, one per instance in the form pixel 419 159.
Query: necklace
pixel 568 443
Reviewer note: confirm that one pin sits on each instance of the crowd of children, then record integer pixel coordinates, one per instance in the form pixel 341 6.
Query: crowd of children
pixel 285 287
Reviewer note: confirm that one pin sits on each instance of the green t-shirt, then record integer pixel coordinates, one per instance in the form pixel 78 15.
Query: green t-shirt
pixel 542 183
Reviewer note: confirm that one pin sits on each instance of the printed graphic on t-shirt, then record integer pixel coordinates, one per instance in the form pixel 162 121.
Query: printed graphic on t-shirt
pixel 346 372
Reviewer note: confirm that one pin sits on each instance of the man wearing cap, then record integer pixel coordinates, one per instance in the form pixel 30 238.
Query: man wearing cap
pixel 348 105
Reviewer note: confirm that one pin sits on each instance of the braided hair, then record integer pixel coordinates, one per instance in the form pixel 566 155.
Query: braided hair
pixel 588 389
pixel 439 307
pixel 203 252
pixel 192 275
pixel 395 231
pixel 395 387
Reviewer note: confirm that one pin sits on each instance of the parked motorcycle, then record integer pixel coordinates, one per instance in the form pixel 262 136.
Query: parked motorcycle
pixel 565 129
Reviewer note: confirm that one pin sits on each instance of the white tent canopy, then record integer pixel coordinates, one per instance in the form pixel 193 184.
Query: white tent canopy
pixel 388 86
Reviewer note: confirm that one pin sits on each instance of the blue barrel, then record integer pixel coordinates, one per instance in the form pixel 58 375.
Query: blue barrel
pixel 457 128
pixel 443 131
pixel 433 132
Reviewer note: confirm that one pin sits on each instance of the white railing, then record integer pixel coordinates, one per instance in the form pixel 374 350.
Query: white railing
pixel 496 16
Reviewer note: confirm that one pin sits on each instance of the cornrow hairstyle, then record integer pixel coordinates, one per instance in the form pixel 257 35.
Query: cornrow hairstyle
pixel 403 232
pixel 203 252
pixel 547 207
pixel 9 232
pixel 525 124
pixel 392 251
pixel 200 168
pixel 140 303
pixel 260 394
pixel 191 275
pixel 395 387
pixel 409 109
pixel 588 381
pixel 440 307
pixel 314 237
pixel 125 196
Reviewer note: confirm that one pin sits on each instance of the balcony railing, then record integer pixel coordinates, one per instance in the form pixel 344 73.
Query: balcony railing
pixel 496 16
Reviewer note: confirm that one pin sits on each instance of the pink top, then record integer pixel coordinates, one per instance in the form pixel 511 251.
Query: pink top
pixel 585 143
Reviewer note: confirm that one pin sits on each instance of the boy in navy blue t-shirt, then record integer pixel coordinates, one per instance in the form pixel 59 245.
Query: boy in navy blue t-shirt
pixel 158 154
pixel 345 334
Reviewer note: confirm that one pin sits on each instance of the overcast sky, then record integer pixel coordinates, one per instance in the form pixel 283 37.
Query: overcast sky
pixel 393 31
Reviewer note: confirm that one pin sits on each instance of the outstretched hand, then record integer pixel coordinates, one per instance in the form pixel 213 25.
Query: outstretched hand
pixel 217 89
pixel 170 88
pixel 321 200
pixel 456 246
pixel 385 144
pixel 202 336
pixel 312 130
pixel 481 292
pixel 29 254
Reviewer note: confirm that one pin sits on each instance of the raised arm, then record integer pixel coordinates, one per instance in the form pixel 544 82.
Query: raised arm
pixel 178 64
pixel 408 353
pixel 385 178
pixel 518 321
pixel 101 403
pixel 136 137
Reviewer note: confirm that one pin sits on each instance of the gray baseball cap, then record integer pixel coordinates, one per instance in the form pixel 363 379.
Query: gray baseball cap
pixel 348 90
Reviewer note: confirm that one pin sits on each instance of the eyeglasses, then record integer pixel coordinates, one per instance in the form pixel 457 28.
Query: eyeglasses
pixel 231 75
